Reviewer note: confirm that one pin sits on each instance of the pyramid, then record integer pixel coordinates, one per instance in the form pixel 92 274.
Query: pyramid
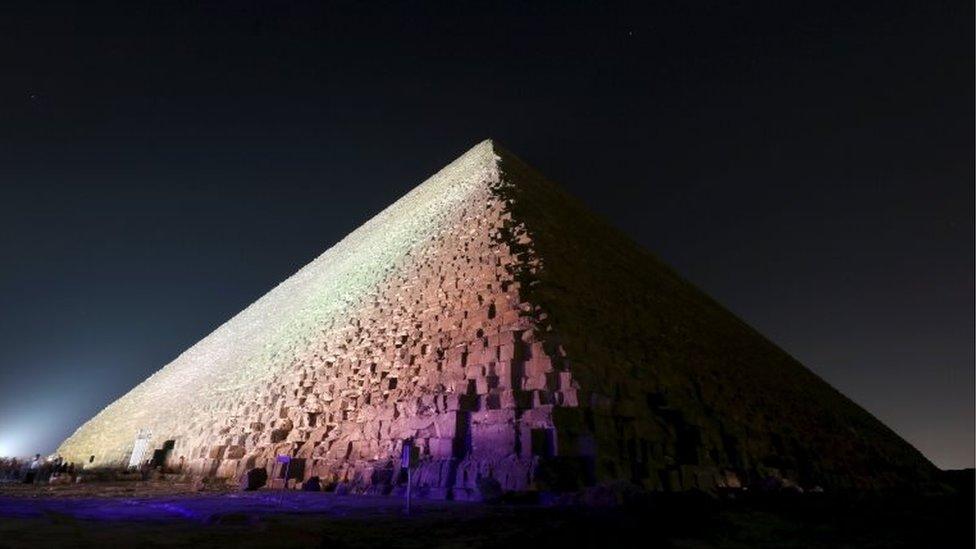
pixel 519 342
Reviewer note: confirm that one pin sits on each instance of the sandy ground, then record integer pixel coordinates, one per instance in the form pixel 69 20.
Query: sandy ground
pixel 129 514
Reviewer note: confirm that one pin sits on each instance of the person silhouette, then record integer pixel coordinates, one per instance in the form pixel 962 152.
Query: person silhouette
pixel 35 464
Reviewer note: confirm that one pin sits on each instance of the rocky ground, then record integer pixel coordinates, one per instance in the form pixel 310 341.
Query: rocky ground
pixel 124 514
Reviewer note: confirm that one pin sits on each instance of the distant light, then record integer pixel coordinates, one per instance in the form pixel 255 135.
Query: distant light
pixel 12 441
pixel 6 449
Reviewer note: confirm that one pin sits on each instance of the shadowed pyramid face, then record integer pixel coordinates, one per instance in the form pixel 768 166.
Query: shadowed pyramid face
pixel 520 342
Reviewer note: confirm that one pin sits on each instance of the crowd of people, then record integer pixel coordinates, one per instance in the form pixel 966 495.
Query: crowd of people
pixel 12 468
pixel 37 469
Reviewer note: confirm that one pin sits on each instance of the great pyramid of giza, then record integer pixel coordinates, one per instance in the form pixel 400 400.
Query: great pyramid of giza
pixel 520 342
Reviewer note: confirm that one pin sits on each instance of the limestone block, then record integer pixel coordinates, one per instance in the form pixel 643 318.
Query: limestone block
pixel 441 447
pixel 445 424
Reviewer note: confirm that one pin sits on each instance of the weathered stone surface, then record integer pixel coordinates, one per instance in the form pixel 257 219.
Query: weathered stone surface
pixel 520 342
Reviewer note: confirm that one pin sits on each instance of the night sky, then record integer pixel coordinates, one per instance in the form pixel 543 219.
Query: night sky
pixel 808 164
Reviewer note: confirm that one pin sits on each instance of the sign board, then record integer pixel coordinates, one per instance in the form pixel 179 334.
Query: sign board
pixel 139 448
pixel 409 454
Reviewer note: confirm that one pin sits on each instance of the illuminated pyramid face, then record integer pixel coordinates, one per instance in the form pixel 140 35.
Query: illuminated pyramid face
pixel 519 342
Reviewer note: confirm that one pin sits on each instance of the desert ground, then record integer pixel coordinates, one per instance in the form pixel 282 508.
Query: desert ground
pixel 172 514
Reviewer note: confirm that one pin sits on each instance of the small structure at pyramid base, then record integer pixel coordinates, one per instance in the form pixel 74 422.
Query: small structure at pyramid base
pixel 521 343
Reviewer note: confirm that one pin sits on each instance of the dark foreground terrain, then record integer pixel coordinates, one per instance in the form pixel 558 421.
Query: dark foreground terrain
pixel 106 515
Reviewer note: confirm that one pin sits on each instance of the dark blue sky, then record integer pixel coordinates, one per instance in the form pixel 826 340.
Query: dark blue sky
pixel 810 165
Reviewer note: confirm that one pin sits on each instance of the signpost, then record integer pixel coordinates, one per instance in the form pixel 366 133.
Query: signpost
pixel 408 457
pixel 138 448
pixel 286 460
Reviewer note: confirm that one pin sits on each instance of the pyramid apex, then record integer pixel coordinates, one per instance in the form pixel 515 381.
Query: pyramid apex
pixel 483 154
pixel 489 146
pixel 490 143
